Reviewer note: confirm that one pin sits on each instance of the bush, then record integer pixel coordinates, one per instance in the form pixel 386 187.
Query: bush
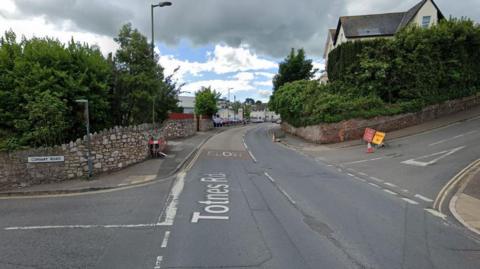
pixel 382 77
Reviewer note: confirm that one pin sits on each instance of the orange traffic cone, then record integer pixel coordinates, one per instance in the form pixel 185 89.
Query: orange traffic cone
pixel 370 148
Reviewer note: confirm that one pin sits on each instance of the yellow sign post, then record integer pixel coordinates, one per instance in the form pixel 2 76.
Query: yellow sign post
pixel 378 138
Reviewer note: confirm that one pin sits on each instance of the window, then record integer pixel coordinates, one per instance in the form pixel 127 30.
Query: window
pixel 426 21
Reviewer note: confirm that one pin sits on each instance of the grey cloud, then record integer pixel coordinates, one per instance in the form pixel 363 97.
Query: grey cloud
pixel 270 27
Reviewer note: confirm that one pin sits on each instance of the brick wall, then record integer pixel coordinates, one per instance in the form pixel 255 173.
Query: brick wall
pixel 354 128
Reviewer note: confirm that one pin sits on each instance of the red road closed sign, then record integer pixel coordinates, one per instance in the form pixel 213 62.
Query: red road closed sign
pixel 368 135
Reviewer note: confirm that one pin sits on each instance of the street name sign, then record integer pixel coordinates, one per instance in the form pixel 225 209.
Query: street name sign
pixel 46 159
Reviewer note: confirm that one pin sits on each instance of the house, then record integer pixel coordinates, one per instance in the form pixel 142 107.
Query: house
pixel 188 104
pixel 364 27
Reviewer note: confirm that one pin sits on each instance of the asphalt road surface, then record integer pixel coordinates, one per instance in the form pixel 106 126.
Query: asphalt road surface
pixel 245 202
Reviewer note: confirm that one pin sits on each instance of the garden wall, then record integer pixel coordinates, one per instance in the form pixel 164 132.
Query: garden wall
pixel 354 128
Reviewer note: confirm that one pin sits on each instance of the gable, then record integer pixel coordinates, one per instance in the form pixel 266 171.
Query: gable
pixel 412 14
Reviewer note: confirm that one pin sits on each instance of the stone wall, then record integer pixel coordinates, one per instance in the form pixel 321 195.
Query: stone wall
pixel 111 150
pixel 205 124
pixel 178 128
pixel 354 128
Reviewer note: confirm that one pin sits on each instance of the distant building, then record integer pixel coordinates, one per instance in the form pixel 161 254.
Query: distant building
pixel 264 115
pixel 187 103
pixel 354 28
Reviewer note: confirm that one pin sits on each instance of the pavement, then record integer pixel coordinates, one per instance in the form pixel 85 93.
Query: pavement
pixel 178 151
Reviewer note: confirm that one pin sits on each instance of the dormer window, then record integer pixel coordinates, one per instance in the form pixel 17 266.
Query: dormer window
pixel 426 21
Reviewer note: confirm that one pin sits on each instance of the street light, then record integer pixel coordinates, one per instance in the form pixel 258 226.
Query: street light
pixel 228 104
pixel 87 123
pixel 161 4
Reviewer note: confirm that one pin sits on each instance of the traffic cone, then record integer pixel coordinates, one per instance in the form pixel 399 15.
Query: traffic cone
pixel 370 148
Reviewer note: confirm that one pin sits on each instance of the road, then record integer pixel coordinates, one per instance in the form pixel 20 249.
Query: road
pixel 244 202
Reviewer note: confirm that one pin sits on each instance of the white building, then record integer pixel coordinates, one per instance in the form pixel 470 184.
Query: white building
pixel 264 115
pixel 354 28
pixel 188 104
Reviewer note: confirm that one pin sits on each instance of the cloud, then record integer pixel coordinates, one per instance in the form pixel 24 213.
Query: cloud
pixel 265 93
pixel 269 27
pixel 222 60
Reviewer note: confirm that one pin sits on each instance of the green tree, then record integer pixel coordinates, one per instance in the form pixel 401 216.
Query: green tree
pixel 206 102
pixel 140 90
pixel 294 67
pixel 236 106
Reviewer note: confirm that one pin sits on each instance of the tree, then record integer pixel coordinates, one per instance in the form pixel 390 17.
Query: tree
pixel 294 67
pixel 249 101
pixel 247 110
pixel 139 83
pixel 206 102
pixel 236 106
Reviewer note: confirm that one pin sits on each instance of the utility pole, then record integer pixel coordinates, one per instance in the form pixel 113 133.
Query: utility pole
pixel 87 123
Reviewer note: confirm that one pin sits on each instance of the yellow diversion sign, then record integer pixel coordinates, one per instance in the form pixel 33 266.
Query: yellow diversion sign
pixel 378 138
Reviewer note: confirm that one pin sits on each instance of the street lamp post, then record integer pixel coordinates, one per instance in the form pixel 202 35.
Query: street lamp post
pixel 87 123
pixel 228 105
pixel 161 4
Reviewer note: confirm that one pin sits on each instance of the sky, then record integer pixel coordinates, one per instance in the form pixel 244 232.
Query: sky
pixel 219 43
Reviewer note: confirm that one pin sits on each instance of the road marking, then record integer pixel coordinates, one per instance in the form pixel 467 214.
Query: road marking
pixel 375 185
pixel 451 184
pixel 251 155
pixel 453 138
pixel 362 174
pixel 351 170
pixel 339 170
pixel 442 154
pixel 405 191
pixel 390 184
pixel 269 177
pixel 410 201
pixel 376 179
pixel 360 179
pixel 421 197
pixel 364 161
pixel 165 239
pixel 390 192
pixel 171 210
pixel 51 227
pixel 286 195
pixel 158 263
pixel 436 213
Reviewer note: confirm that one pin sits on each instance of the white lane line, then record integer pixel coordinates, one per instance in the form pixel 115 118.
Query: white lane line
pixel 165 239
pixel 390 184
pixel 352 175
pixel 441 155
pixel 405 191
pixel 286 195
pixel 410 201
pixel 50 227
pixel 436 213
pixel 251 155
pixel 360 179
pixel 269 177
pixel 364 161
pixel 340 170
pixel 362 174
pixel 173 197
pixel 245 145
pixel 452 138
pixel 158 263
pixel 390 192
pixel 421 197
pixel 374 185
pixel 471 132
pixel 376 179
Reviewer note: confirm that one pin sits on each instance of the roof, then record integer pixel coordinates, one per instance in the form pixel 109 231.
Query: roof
pixel 386 24
pixel 371 25
pixel 411 13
